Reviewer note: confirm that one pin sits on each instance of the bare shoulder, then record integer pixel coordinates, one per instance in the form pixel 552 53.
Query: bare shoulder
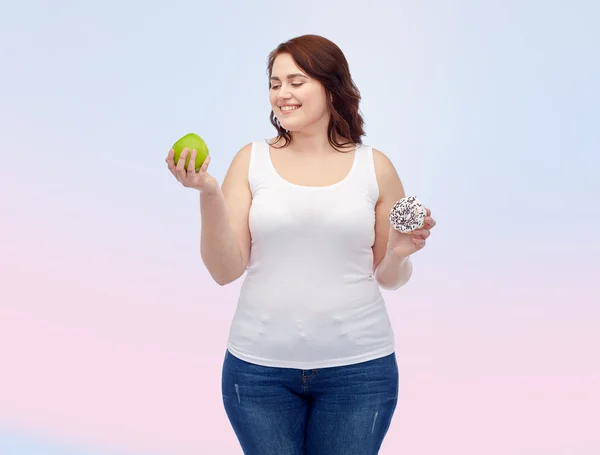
pixel 238 169
pixel 242 157
pixel 383 164
pixel 390 185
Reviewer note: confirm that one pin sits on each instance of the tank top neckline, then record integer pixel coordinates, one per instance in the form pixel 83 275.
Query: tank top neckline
pixel 308 187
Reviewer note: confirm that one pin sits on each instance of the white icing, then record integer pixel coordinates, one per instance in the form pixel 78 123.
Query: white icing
pixel 408 214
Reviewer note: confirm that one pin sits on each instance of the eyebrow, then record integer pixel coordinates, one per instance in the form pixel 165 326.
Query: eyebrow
pixel 290 76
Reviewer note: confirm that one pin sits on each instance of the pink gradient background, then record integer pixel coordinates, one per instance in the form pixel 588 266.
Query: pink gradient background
pixel 112 334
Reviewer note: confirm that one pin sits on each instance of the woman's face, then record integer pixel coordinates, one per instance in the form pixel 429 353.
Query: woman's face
pixel 298 101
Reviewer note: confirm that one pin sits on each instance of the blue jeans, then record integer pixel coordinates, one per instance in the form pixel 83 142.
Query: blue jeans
pixel 343 410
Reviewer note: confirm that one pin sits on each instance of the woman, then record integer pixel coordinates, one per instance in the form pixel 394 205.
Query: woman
pixel 310 366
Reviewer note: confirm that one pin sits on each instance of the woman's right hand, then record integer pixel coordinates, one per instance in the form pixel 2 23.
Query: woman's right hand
pixel 201 180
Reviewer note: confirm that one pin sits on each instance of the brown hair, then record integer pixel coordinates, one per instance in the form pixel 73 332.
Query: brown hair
pixel 324 61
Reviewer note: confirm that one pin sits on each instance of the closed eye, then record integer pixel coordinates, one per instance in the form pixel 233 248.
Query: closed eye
pixel 295 84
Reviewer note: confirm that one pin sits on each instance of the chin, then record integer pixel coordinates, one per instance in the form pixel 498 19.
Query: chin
pixel 287 126
pixel 294 124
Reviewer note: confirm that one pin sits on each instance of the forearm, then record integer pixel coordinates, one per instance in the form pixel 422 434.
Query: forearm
pixel 219 247
pixel 393 272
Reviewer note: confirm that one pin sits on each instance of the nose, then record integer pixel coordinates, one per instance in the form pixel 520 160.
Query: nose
pixel 283 94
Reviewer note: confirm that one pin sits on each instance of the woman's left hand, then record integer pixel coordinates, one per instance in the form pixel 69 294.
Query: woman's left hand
pixel 406 244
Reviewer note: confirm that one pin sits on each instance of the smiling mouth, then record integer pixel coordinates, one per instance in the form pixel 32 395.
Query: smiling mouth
pixel 287 109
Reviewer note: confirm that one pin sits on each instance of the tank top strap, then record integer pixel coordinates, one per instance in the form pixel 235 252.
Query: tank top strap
pixel 364 173
pixel 363 177
pixel 259 166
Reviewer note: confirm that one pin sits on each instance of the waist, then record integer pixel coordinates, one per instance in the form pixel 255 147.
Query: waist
pixel 286 331
pixel 319 289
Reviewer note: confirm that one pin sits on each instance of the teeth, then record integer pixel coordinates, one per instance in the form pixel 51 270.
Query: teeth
pixel 289 108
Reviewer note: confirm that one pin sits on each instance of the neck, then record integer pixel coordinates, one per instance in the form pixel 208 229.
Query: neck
pixel 311 143
pixel 314 141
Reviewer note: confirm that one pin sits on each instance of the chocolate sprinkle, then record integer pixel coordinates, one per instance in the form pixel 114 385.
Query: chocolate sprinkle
pixel 407 215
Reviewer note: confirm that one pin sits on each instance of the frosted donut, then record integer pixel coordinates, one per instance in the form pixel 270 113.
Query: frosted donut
pixel 408 214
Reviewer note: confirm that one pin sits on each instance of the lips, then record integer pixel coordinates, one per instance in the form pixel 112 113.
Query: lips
pixel 289 108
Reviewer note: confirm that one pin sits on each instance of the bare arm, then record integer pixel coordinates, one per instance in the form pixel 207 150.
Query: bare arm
pixel 225 235
pixel 391 271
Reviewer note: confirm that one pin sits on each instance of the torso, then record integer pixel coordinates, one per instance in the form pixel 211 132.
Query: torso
pixel 309 298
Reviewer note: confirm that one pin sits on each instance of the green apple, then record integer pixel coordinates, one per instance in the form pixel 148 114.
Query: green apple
pixel 191 141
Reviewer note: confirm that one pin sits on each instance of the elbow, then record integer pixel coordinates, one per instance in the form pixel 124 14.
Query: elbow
pixel 224 270
pixel 225 278
pixel 222 282
pixel 393 286
pixel 393 279
pixel 221 272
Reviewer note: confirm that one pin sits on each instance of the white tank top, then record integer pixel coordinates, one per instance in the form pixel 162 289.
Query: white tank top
pixel 309 299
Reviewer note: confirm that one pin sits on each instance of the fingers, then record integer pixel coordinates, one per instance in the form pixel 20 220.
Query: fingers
pixel 187 174
pixel 204 166
pixel 170 157
pixel 421 234
pixel 181 172
pixel 170 160
pixel 429 223
pixel 191 167
pixel 419 242
pixel 420 237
